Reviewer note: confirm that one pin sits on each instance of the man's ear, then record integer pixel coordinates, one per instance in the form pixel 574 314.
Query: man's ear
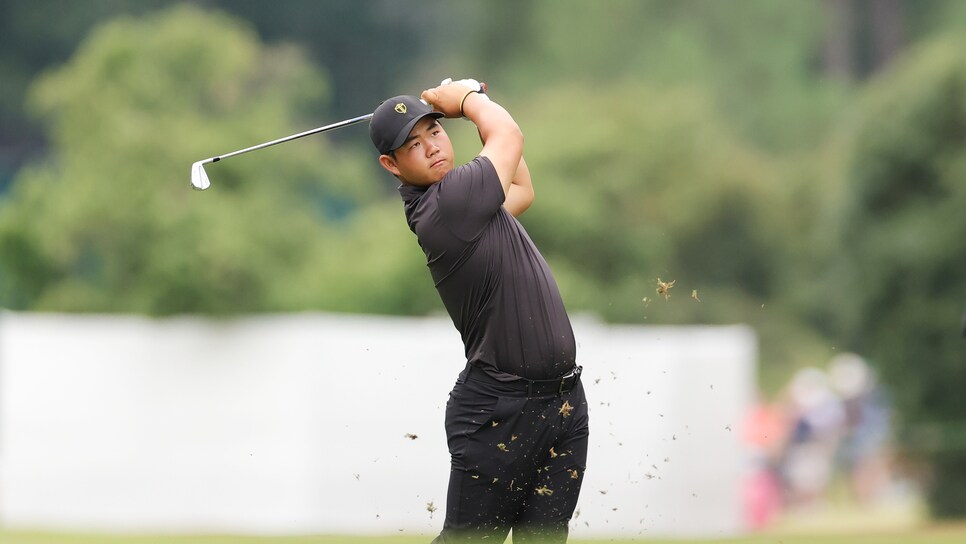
pixel 389 164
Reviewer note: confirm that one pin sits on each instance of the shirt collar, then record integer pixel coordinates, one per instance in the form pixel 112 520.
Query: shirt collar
pixel 410 193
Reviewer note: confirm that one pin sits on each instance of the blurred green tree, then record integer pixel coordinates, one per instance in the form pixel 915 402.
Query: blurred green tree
pixel 759 64
pixel 647 184
pixel 33 37
pixel 899 269
pixel 107 223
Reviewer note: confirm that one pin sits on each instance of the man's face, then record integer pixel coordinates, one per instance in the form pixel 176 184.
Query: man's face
pixel 425 157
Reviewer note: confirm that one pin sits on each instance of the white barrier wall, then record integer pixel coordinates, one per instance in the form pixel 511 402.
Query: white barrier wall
pixel 298 424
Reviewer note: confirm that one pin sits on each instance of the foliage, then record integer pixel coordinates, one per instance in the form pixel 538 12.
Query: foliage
pixel 769 94
pixel 107 223
pixel 903 235
pixel 370 49
pixel 681 197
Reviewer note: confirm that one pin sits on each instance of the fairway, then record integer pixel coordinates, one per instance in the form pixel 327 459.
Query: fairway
pixel 933 535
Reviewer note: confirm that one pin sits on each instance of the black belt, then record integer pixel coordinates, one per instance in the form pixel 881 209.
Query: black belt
pixel 533 388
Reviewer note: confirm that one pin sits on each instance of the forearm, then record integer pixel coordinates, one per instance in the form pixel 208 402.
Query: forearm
pixel 501 136
pixel 490 118
pixel 520 195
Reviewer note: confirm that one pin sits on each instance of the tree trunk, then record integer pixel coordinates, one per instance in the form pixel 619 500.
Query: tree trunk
pixel 838 53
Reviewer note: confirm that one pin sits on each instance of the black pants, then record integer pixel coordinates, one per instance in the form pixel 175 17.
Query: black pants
pixel 517 463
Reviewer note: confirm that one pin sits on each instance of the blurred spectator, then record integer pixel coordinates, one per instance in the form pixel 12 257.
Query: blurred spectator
pixel 818 423
pixel 863 455
pixel 827 426
pixel 765 431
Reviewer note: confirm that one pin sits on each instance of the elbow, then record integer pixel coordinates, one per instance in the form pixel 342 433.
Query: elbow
pixel 524 201
pixel 515 138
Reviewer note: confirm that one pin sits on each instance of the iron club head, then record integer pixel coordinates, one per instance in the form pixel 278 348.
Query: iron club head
pixel 199 178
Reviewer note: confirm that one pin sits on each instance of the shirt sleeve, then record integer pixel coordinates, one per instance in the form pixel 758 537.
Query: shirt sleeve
pixel 469 197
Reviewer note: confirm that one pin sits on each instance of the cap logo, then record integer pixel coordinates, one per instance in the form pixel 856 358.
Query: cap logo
pixel 400 108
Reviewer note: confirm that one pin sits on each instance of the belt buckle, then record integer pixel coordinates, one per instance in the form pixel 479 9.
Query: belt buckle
pixel 575 374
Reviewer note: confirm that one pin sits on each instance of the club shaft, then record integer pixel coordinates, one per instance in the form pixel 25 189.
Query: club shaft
pixel 333 126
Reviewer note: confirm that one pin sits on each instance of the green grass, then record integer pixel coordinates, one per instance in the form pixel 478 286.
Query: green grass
pixel 838 523
pixel 951 534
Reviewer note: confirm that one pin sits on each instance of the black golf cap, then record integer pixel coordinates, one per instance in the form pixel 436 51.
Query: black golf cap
pixel 394 119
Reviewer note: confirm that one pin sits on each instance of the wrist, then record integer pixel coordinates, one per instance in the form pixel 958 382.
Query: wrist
pixel 463 101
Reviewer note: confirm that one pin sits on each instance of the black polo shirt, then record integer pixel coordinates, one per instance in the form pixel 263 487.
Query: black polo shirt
pixel 494 283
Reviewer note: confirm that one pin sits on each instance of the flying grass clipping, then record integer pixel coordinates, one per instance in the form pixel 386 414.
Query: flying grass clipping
pixel 664 289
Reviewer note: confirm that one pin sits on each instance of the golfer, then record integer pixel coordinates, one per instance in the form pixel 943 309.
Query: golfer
pixel 516 419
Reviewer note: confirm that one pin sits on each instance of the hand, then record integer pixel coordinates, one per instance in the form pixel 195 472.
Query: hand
pixel 447 98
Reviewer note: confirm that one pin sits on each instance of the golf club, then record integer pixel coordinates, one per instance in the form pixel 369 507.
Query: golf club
pixel 199 178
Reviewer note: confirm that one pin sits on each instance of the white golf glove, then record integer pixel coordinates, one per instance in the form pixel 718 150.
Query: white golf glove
pixel 470 84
